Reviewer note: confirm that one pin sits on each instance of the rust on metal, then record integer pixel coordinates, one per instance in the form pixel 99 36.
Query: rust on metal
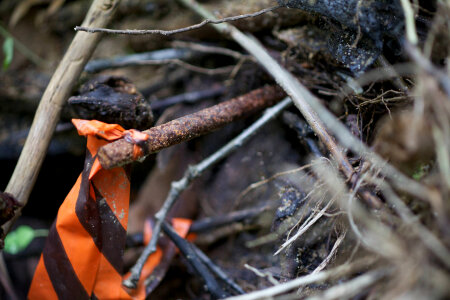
pixel 188 127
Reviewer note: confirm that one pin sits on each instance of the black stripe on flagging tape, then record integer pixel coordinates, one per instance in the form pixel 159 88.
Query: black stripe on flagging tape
pixel 99 221
pixel 112 232
pixel 60 271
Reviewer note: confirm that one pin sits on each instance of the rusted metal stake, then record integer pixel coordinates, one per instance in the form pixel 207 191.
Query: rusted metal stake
pixel 188 127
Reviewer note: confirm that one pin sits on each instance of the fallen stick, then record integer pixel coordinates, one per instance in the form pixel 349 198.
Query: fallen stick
pixel 49 109
pixel 188 127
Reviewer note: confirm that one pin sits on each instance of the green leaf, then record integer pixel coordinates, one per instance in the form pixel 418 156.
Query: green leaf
pixel 420 172
pixel 19 239
pixel 8 51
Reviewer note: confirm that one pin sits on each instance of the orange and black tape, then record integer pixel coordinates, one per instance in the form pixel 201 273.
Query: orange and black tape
pixel 83 255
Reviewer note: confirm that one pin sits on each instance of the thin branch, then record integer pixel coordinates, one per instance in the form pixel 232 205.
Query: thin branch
pixel 287 223
pixel 180 30
pixel 262 274
pixel 257 184
pixel 329 257
pixel 211 223
pixel 188 66
pixel 98 65
pixel 193 68
pixel 397 80
pixel 427 65
pixel 410 22
pixel 153 62
pixel 5 279
pixel 193 172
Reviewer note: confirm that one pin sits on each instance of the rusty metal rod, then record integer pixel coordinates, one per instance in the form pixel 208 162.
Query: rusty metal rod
pixel 121 152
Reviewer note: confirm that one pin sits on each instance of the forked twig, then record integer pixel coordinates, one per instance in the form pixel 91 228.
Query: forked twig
pixel 193 172
pixel 262 274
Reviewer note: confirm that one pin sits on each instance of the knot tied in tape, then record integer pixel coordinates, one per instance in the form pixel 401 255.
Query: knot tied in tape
pixel 112 132
pixel 138 139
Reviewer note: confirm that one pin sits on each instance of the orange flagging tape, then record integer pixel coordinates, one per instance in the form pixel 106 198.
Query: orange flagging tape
pixel 136 137
pixel 83 255
pixel 181 226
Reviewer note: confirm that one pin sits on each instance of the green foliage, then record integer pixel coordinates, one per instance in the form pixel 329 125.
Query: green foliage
pixel 20 238
pixel 420 172
pixel 8 51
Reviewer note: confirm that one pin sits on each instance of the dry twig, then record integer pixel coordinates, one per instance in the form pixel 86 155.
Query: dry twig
pixel 212 20
pixel 262 274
